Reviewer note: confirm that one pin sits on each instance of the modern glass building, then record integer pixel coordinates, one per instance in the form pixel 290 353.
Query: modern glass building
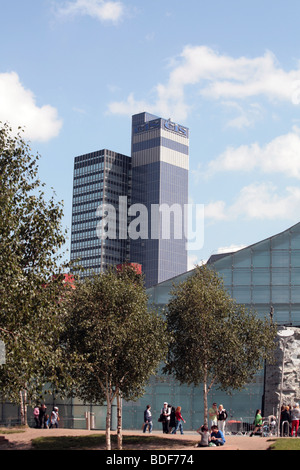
pixel 262 276
pixel 99 178
pixel 265 275
pixel 160 162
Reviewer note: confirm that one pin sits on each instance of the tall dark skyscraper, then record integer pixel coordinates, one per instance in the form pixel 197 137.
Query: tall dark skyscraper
pixel 160 163
pixel 153 181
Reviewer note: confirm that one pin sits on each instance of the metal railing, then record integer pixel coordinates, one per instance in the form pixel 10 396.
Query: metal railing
pixel 88 422
pixel 285 429
pixel 244 426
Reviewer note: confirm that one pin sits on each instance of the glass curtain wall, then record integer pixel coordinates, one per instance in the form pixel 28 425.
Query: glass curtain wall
pixel 261 276
pixel 99 178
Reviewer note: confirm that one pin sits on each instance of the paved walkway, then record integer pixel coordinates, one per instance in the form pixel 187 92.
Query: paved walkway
pixel 21 441
pixel 232 442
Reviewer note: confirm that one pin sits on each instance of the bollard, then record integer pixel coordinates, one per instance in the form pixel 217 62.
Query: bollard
pixel 92 420
pixel 88 420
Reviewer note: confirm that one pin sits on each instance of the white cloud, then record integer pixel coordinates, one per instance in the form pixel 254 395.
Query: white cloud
pixel 246 117
pixel 18 107
pixel 216 210
pixel 129 107
pixel 259 202
pixel 102 10
pixel 281 155
pixel 242 77
pixel 192 262
pixel 230 248
pixel 221 77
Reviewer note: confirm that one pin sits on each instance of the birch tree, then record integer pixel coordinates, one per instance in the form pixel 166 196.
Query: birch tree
pixel 215 341
pixel 31 236
pixel 120 340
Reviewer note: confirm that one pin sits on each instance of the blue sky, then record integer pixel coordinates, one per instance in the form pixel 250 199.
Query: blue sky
pixel 74 71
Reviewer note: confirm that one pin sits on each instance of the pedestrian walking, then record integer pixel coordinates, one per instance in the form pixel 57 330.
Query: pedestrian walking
pixel 258 422
pixel 54 418
pixel 285 420
pixel 42 416
pixel 172 423
pixel 165 417
pixel 213 415
pixel 148 419
pixel 178 420
pixel 295 417
pixel 222 416
pixel 36 415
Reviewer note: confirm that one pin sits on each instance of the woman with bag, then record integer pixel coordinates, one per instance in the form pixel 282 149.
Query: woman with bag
pixel 222 416
pixel 165 417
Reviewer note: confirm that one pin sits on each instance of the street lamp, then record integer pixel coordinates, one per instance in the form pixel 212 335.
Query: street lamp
pixel 284 335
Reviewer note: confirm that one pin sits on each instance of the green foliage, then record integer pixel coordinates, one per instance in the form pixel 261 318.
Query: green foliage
pixel 120 341
pixel 31 307
pixel 215 340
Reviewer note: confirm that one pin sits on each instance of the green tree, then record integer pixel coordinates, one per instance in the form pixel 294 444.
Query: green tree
pixel 121 342
pixel 214 339
pixel 30 296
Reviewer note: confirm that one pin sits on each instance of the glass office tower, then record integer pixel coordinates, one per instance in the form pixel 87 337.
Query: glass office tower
pixel 160 162
pixel 99 178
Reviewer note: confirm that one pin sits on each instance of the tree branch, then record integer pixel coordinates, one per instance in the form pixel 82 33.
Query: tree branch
pixel 211 384
pixel 8 332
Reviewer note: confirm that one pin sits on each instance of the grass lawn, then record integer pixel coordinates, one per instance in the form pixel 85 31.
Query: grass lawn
pixel 286 444
pixel 98 441
pixel 68 442
pixel 11 430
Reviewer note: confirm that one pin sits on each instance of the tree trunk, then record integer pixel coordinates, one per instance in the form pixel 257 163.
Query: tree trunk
pixel 205 393
pixel 108 418
pixel 23 407
pixel 119 419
